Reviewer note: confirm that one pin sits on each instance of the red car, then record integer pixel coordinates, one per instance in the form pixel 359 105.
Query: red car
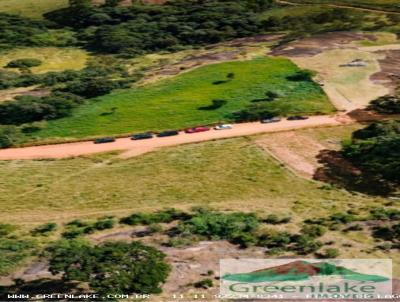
pixel 197 129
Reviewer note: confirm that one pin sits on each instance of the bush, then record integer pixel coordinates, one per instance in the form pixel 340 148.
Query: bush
pixel 24 63
pixel 329 254
pixel 388 104
pixel 9 136
pixel 313 231
pixel 163 216
pixel 205 284
pixel 6 229
pixel 76 228
pixel 213 225
pixel 44 229
pixel 112 267
pixel 274 219
pixel 27 109
pixel 302 75
pixel 385 214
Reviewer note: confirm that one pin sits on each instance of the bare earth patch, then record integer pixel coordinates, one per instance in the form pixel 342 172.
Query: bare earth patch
pixel 349 87
pixel 298 150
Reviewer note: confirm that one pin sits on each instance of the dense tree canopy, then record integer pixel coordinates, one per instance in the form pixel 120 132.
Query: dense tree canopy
pixel 376 149
pixel 112 267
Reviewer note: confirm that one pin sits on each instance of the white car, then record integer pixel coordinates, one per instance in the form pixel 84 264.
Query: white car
pixel 223 127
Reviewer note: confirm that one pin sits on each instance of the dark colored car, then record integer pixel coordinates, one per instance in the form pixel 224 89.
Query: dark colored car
pixel 297 118
pixel 197 129
pixel 141 136
pixel 270 120
pixel 104 140
pixel 168 133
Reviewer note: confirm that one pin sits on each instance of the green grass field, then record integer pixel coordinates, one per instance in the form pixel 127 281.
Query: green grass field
pixel 175 103
pixel 233 174
pixel 31 8
pixel 53 58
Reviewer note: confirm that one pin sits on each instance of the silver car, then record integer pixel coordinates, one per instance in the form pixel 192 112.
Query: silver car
pixel 223 127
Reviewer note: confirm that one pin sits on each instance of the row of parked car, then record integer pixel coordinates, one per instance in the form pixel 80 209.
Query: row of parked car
pixel 149 135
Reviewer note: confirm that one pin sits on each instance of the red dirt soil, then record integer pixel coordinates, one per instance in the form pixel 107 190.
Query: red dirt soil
pixel 135 148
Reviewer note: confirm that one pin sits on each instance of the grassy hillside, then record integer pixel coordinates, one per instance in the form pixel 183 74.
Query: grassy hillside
pixel 228 174
pixel 177 102
pixel 31 8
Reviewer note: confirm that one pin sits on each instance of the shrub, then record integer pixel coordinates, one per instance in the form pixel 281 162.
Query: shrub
pixel 385 214
pixel 9 136
pixel 301 75
pixel 163 216
pixel 388 104
pixel 215 225
pixel 274 219
pixel 6 229
pixel 44 229
pixel 205 284
pixel 313 231
pixel 24 63
pixel 305 244
pixel 329 253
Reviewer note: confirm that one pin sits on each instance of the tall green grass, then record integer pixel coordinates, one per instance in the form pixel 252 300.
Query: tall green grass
pixel 176 103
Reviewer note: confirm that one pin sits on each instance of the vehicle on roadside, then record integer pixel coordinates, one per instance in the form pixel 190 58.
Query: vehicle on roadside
pixel 140 136
pixel 297 118
pixel 168 133
pixel 223 127
pixel 104 140
pixel 197 129
pixel 270 120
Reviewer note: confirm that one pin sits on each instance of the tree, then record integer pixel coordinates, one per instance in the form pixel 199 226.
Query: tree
pixel 388 104
pixel 112 267
pixel 376 150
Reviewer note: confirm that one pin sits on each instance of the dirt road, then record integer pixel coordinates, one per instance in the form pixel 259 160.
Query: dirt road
pixel 134 148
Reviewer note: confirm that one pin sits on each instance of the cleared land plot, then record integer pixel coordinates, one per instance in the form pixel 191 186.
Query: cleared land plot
pixel 299 149
pixel 184 100
pixel 348 87
pixel 31 8
pixel 54 59
pixel 233 174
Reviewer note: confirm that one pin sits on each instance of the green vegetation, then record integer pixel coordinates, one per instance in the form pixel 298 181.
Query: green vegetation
pixel 162 216
pixel 19 31
pixel 177 24
pixel 110 267
pixel 44 229
pixel 13 249
pixel 388 104
pixel 175 103
pixel 24 63
pixel 77 227
pixel 376 150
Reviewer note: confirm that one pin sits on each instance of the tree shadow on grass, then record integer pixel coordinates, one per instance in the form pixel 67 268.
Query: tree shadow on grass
pixel 340 172
pixel 39 287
